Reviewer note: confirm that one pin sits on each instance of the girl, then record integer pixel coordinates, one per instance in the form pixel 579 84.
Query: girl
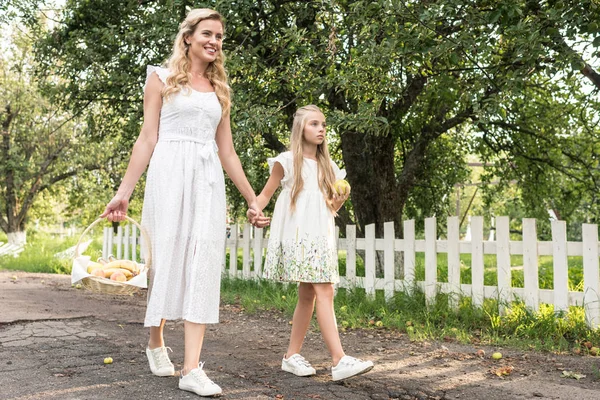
pixel 186 121
pixel 302 242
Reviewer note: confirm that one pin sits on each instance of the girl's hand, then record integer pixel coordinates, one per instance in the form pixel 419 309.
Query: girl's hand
pixel 339 199
pixel 116 209
pixel 255 216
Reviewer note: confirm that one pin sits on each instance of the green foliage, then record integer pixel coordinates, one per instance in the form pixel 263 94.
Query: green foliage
pixel 43 147
pixel 409 89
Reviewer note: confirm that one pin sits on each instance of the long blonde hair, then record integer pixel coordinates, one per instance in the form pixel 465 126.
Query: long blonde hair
pixel 179 62
pixel 325 172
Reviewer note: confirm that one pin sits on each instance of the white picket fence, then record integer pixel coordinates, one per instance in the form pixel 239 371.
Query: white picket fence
pixel 252 240
pixel 124 244
pixel 9 249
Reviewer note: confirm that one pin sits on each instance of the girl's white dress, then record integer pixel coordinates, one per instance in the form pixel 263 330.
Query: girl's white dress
pixel 302 244
pixel 184 210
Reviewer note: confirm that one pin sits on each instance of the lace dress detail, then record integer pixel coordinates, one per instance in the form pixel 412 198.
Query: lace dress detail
pixel 302 245
pixel 184 210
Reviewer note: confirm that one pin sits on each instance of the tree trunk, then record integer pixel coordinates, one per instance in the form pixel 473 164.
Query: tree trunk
pixel 369 161
pixel 17 237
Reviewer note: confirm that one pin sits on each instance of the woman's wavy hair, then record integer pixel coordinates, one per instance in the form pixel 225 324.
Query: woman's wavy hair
pixel 324 168
pixel 179 63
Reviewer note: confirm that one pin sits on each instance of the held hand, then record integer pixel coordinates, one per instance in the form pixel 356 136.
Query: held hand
pixel 255 216
pixel 116 209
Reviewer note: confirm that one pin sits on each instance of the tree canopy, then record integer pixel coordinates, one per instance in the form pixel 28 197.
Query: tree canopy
pixel 42 145
pixel 410 88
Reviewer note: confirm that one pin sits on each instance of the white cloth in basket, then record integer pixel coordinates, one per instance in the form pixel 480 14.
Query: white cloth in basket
pixel 184 210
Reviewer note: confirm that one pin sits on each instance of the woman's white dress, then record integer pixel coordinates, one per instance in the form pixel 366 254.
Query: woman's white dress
pixel 184 210
pixel 302 244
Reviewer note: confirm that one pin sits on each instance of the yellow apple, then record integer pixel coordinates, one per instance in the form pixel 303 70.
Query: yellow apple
pixel 497 355
pixel 341 187
pixel 108 360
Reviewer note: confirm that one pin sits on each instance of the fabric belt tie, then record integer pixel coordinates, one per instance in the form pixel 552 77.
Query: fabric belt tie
pixel 207 152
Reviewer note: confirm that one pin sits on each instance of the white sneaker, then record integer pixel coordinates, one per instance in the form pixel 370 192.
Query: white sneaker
pixel 160 365
pixel 196 381
pixel 350 366
pixel 297 365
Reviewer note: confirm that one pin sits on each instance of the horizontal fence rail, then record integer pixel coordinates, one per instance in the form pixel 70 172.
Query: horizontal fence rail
pixel 389 251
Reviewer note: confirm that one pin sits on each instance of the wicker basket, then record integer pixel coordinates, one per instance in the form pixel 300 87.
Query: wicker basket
pixel 104 285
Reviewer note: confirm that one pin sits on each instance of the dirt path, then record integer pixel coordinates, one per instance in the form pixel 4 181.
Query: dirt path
pixel 53 340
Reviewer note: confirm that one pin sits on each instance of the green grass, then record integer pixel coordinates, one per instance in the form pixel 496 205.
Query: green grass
pixel 38 256
pixel 519 327
pixel 490 275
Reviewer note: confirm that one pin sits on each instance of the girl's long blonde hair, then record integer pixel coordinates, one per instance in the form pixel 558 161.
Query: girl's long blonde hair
pixel 324 168
pixel 179 62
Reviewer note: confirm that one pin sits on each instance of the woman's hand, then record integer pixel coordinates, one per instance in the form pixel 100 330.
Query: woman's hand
pixel 116 209
pixel 256 216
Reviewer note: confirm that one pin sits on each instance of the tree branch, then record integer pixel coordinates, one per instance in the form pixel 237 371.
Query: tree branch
pixel 560 45
pixel 68 174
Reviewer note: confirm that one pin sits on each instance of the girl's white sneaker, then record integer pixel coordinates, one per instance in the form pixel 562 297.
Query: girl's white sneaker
pixel 197 382
pixel 349 366
pixel 297 365
pixel 159 361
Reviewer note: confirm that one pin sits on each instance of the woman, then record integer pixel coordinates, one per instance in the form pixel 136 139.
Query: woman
pixel 186 132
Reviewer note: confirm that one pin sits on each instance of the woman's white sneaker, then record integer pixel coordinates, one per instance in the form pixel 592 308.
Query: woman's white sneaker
pixel 196 381
pixel 159 361
pixel 297 365
pixel 350 366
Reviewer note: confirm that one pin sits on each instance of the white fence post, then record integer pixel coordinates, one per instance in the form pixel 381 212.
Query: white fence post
pixel 351 255
pixel 503 262
pixel 591 288
pixel 119 254
pixel 430 260
pixel 560 263
pixel 409 255
pixel 453 261
pixel 477 266
pixel 246 252
pixel 126 242
pixel 389 257
pixel 258 253
pixel 370 260
pixel 530 264
pixel 105 234
pixel 110 242
pixel 233 250
pixel 133 243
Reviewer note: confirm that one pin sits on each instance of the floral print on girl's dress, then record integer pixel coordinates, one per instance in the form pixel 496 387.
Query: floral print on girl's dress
pixel 303 260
